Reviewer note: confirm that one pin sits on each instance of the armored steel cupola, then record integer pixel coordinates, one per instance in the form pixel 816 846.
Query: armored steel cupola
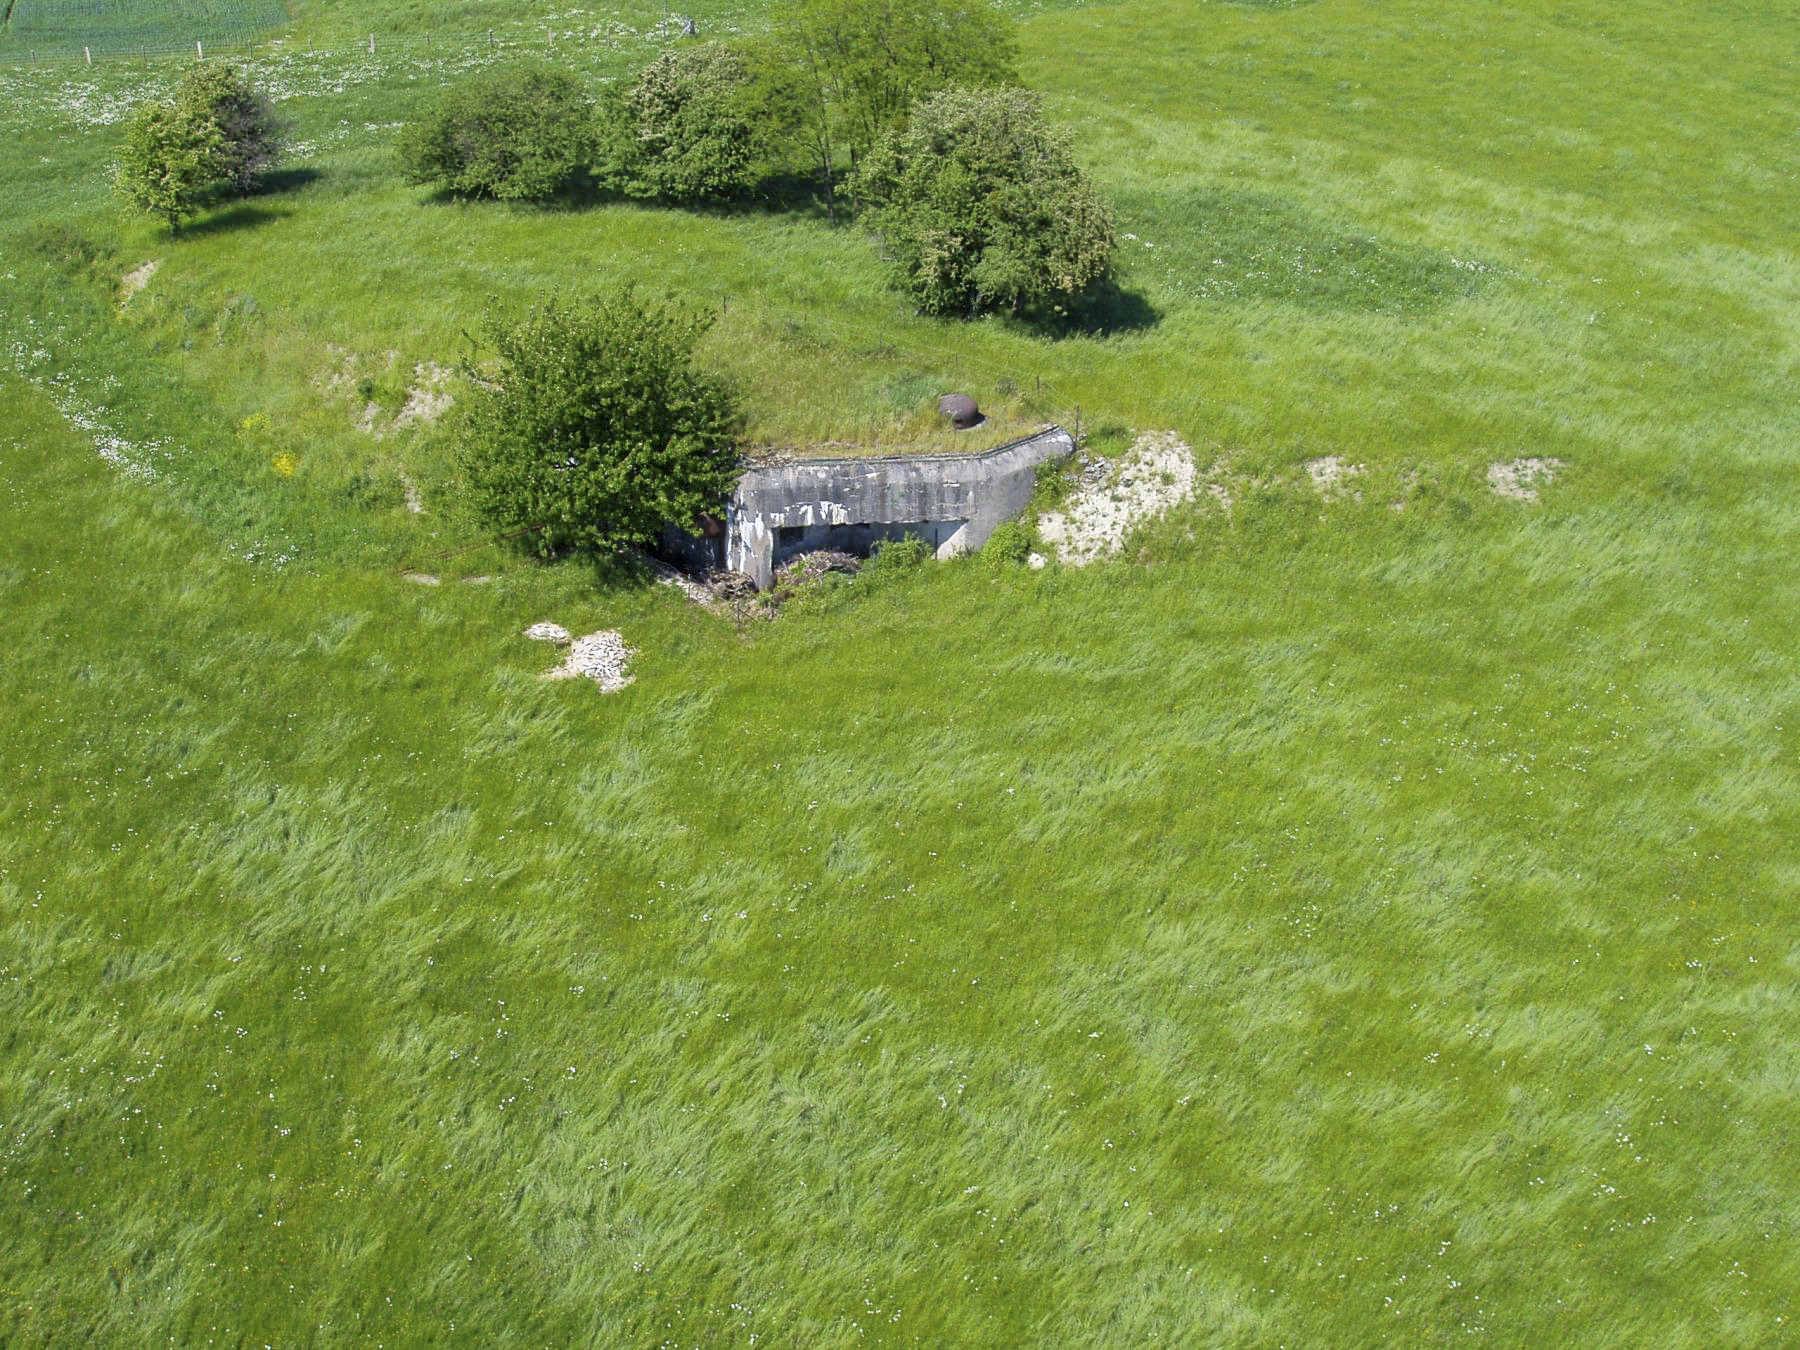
pixel 961 410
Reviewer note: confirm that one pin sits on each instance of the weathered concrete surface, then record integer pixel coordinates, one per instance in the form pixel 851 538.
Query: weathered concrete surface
pixel 953 502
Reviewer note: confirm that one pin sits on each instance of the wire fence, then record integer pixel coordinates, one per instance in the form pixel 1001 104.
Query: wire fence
pixel 25 49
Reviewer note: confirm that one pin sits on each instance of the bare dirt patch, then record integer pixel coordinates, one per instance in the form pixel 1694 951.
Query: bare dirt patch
pixel 1332 474
pixel 427 399
pixel 1518 479
pixel 136 279
pixel 1157 473
pixel 420 578
pixel 339 377
pixel 600 657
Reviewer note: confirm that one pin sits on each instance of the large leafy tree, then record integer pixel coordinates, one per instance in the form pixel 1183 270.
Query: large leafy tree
pixel 688 127
pixel 516 134
pixel 599 428
pixel 169 161
pixel 850 69
pixel 250 135
pixel 983 209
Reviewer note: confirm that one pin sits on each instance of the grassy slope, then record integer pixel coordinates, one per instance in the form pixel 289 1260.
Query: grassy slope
pixel 1349 925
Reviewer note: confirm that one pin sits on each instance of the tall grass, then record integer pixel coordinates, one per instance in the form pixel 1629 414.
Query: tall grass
pixel 1331 924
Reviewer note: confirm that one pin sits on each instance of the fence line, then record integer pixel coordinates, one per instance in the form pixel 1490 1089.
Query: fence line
pixel 546 40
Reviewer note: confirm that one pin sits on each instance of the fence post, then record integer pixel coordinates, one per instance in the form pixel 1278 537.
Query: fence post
pixel 490 39
pixel 371 44
pixel 199 52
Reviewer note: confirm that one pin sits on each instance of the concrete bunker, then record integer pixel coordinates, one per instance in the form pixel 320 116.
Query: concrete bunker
pixel 952 502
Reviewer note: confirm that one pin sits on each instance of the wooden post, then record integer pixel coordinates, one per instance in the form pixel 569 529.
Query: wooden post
pixel 87 52
pixel 371 44
pixel 199 52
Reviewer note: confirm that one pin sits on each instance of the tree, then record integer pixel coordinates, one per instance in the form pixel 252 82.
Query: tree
pixel 599 429
pixel 169 161
pixel 982 208
pixel 248 129
pixel 518 134
pixel 688 128
pixel 855 67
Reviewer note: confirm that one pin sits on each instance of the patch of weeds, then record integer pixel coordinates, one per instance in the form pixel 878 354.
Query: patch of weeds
pixel 388 390
pixel 236 317
pixel 376 488
pixel 67 248
pixel 1056 479
pixel 1009 546
pixel 892 557
pixel 906 394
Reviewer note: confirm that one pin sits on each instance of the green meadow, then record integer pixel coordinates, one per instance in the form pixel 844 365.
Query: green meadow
pixel 1350 920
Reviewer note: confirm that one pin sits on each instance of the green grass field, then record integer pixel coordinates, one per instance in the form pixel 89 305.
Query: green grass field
pixel 1330 924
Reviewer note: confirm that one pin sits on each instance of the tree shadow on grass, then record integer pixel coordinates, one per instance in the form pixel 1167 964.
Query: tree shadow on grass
pixel 1103 310
pixel 277 181
pixel 796 196
pixel 1230 246
pixel 240 217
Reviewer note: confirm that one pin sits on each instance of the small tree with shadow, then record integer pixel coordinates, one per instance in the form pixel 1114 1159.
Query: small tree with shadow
pixel 169 161
pixel 213 139
pixel 517 135
pixel 599 428
pixel 982 209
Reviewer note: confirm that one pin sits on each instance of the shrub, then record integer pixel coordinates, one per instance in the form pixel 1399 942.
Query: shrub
pixel 518 134
pixel 687 128
pixel 1008 546
pixel 250 136
pixel 891 556
pixel 168 161
pixel 599 429
pixel 982 208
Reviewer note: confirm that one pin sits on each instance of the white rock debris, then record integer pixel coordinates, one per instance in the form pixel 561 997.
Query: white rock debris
pixel 547 632
pixel 1156 474
pixel 601 657
pixel 1517 479
pixel 1331 474
pixel 426 400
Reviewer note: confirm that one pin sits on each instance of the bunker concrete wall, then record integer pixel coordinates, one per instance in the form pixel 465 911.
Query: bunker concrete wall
pixel 954 501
